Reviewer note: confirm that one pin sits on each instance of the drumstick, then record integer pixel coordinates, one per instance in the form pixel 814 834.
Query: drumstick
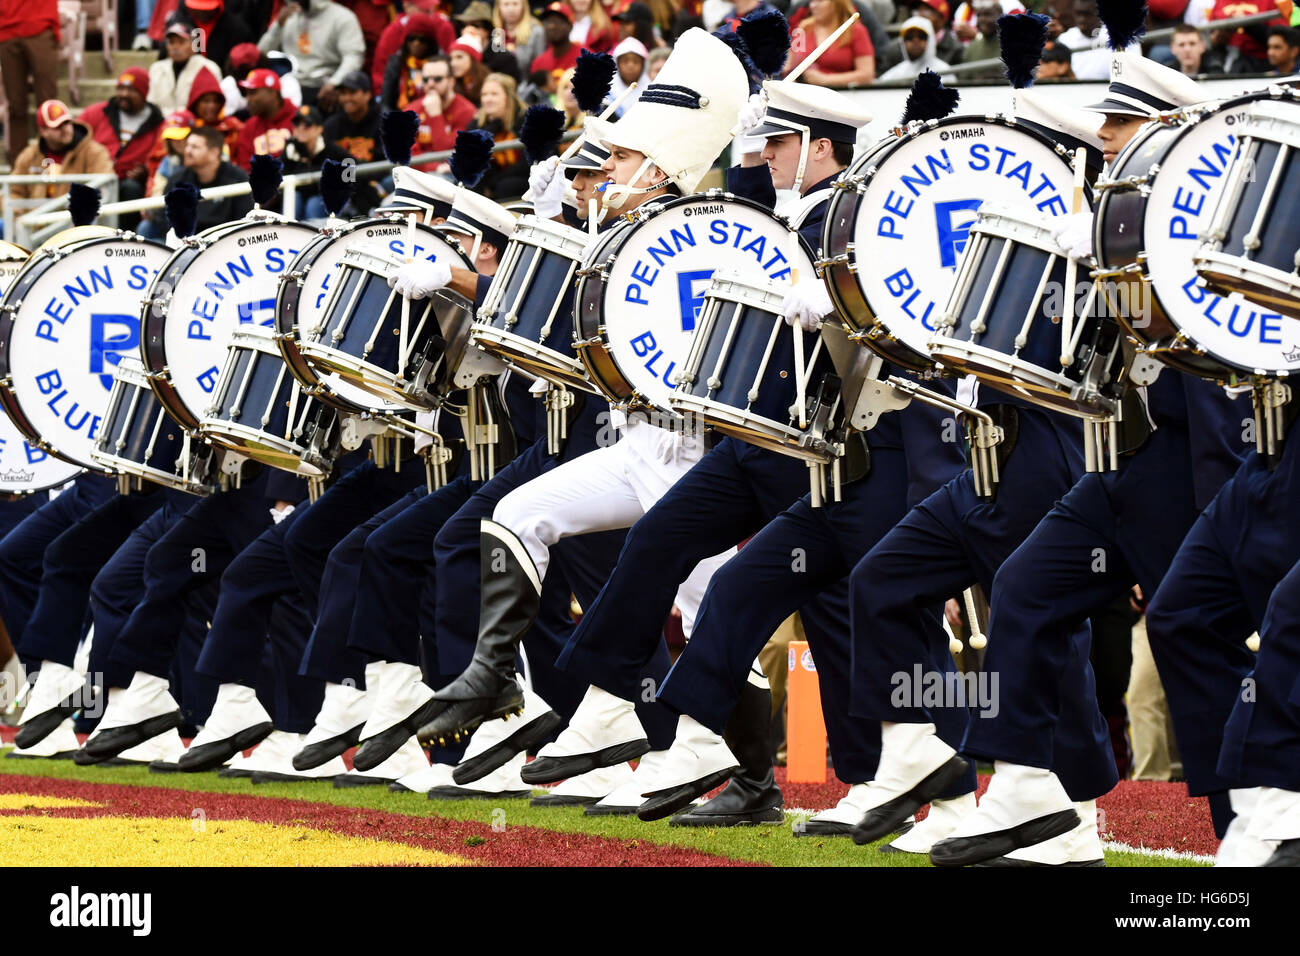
pixel 977 638
pixel 609 110
pixel 406 302
pixel 1072 264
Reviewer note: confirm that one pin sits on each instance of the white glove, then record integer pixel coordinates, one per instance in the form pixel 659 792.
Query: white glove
pixel 806 304
pixel 750 116
pixel 279 514
pixel 546 188
pixel 420 278
pixel 1073 233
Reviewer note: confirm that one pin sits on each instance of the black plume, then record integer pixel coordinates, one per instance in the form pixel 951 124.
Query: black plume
pixel 540 132
pixel 767 37
pixel 83 203
pixel 1022 36
pixel 335 189
pixel 592 77
pixel 929 99
pixel 182 204
pixel 470 159
pixel 398 129
pixel 738 47
pixel 264 175
pixel 1125 20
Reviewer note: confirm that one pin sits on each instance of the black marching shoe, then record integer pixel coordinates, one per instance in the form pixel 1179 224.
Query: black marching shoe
pixel 752 796
pixel 510 593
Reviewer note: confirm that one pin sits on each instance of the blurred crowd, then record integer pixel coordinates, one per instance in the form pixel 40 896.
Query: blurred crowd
pixel 307 80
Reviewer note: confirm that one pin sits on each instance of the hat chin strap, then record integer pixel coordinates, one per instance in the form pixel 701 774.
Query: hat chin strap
pixel 615 196
pixel 804 142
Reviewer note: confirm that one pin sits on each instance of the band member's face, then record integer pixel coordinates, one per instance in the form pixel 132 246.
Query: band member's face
pixel 781 153
pixel 1116 132
pixel 623 164
pixel 585 182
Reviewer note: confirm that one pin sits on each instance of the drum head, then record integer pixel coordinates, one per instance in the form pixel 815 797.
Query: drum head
pixel 25 469
pixel 657 269
pixel 203 294
pixel 1184 192
pixel 67 319
pixel 909 217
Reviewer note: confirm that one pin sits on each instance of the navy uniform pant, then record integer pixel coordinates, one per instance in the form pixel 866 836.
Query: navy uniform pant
pixel 579 564
pixel 58 621
pixel 802 559
pixel 260 612
pixel 192 553
pixel 1213 597
pixel 948 542
pixel 22 551
pixel 1261 745
pixel 13 510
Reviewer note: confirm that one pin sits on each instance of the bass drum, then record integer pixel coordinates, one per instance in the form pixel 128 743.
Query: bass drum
pixel 900 216
pixel 1159 199
pixel 67 319
pixel 642 287
pixel 223 278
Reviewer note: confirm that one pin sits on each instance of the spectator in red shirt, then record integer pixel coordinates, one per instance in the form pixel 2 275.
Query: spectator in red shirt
pixel 29 46
pixel 390 41
pixel 128 126
pixel 851 61
pixel 592 29
pixel 443 112
pixel 271 123
pixel 561 53
pixel 466 56
pixel 402 75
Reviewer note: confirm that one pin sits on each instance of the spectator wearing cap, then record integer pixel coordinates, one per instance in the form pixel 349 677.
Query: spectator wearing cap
pixel 501 114
pixel 916 49
pixel 516 30
pixel 29 46
pixel 270 122
pixel 592 28
pixel 467 69
pixel 1056 64
pixel 355 125
pixel 1283 50
pixel 326 40
pixel 128 126
pixel 208 106
pixel 638 20
pixel 476 21
pixel 204 168
pixel 306 152
pixel 168 153
pixel 219 29
pixel 404 74
pixel 442 111
pixel 170 78
pixel 63 147
pixel 390 41
pixel 851 59
pixel 243 60
pixel 630 58
pixel 561 53
pixel 947 45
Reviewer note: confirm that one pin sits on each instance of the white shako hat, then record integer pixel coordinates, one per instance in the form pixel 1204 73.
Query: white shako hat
pixel 814 112
pixel 413 189
pixel 1067 125
pixel 480 217
pixel 591 154
pixel 683 120
pixel 1143 87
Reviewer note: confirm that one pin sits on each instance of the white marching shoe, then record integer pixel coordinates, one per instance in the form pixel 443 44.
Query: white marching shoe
pixel 497 741
pixel 840 819
pixel 1276 816
pixel 503 783
pixel 338 726
pixel 943 818
pixel 1242 844
pixel 625 799
pixel 915 767
pixel 698 761
pixel 409 759
pixel 587 788
pixel 272 761
pixel 1079 847
pixel 133 715
pixel 238 721
pixel 603 731
pixel 1022 806
pixel 54 697
pixel 399 692
pixel 59 744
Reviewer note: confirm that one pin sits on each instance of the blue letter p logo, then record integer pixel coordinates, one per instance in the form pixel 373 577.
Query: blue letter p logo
pixel 952 238
pixel 106 349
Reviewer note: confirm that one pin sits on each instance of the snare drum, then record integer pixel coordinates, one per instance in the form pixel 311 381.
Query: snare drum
pixel 223 279
pixel 641 289
pixel 141 441
pixel 1004 323
pixel 260 410
pixel 67 319
pixel 526 318
pixel 1150 214
pixel 744 374
pixel 404 352
pixel 899 218
pixel 1253 243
